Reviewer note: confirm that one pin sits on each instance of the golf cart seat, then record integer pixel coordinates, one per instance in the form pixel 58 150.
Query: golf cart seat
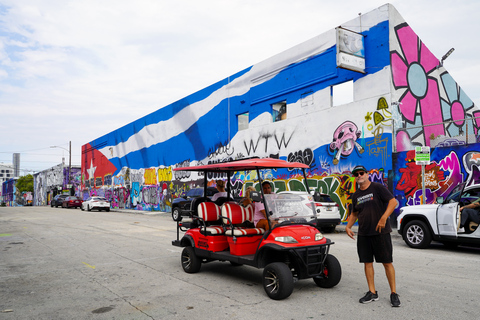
pixel 234 216
pixel 209 217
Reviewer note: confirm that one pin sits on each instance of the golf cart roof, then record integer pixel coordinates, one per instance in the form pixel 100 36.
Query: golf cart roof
pixel 246 164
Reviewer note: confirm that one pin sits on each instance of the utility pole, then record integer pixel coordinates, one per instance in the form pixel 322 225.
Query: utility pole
pixel 69 161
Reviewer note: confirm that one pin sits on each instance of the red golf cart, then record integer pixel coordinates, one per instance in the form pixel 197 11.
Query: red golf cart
pixel 292 249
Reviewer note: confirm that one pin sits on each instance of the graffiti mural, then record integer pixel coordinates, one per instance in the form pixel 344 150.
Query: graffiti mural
pixel 345 141
pixel 430 102
pixel 449 167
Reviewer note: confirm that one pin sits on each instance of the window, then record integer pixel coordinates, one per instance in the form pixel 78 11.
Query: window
pixel 279 111
pixel 242 121
pixel 342 93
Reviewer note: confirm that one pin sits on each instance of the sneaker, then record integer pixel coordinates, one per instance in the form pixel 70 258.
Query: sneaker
pixel 394 300
pixel 369 297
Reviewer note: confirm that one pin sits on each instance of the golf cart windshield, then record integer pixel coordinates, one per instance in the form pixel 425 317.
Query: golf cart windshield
pixel 288 207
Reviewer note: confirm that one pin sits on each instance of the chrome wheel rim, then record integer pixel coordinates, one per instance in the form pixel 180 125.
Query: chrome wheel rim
pixel 273 281
pixel 415 234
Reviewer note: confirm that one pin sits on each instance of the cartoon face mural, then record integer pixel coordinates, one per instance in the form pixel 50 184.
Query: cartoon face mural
pixel 345 140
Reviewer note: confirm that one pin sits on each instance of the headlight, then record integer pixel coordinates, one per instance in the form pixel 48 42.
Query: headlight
pixel 286 239
pixel 318 236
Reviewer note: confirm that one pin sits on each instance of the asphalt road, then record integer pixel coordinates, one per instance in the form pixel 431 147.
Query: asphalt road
pixel 69 264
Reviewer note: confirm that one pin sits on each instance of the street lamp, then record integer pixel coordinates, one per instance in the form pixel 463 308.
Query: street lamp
pixel 69 158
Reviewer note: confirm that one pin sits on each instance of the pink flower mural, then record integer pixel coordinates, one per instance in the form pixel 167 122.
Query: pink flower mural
pixel 420 102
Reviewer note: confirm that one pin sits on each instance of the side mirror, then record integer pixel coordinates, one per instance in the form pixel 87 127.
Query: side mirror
pixel 255 196
pixel 316 196
pixel 440 200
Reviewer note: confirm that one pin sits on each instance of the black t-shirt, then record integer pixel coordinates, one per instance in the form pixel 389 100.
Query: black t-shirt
pixel 371 205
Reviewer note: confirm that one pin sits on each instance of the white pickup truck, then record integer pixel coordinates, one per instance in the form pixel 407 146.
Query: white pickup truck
pixel 421 224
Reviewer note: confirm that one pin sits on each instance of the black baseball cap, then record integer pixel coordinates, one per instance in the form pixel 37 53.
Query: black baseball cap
pixel 359 168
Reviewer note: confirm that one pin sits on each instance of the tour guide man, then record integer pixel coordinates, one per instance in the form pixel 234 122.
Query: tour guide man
pixel 372 205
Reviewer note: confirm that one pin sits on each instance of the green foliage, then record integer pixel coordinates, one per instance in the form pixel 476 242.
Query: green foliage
pixel 25 183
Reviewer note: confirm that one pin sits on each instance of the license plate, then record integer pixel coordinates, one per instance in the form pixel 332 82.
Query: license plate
pixel 329 209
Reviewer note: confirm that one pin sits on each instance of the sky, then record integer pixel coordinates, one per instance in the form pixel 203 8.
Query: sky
pixel 73 71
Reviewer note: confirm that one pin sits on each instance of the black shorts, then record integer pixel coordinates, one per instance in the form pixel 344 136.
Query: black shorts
pixel 378 246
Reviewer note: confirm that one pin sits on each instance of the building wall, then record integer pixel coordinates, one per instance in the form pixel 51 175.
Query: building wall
pixel 133 166
pixel 52 181
pixel 9 192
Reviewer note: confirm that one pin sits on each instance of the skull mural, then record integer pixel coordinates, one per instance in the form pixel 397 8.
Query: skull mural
pixel 345 140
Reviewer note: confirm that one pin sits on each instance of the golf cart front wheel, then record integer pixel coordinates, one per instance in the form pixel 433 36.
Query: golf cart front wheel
pixel 277 280
pixel 332 273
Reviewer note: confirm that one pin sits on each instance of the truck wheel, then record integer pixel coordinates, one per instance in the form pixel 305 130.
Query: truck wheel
pixel 176 214
pixel 332 273
pixel 417 235
pixel 191 263
pixel 277 280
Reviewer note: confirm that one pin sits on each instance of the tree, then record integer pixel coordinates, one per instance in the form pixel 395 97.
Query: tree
pixel 25 183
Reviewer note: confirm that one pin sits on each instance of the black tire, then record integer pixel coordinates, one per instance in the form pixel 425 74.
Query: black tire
pixel 191 263
pixel 82 208
pixel 277 280
pixel 417 235
pixel 327 229
pixel 108 209
pixel 331 274
pixel 235 264
pixel 176 216
pixel 88 208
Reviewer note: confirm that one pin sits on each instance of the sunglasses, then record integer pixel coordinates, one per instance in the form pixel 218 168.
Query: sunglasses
pixel 361 173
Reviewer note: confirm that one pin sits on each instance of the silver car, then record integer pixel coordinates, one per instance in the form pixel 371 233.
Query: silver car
pixel 328 214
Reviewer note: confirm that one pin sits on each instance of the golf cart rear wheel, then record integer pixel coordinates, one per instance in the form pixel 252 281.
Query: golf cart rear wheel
pixel 191 263
pixel 331 274
pixel 277 280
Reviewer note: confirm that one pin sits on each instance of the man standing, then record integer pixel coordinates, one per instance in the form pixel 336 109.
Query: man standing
pixel 372 205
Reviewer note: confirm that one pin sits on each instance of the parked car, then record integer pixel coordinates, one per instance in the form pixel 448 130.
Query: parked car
pixel 181 205
pixel 291 249
pixel 58 200
pixel 98 203
pixel 328 215
pixel 421 224
pixel 72 202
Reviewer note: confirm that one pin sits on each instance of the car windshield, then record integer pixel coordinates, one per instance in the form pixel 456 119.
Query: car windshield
pixel 99 199
pixel 288 207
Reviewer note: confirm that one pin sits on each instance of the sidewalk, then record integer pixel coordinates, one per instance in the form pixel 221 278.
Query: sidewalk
pixel 140 211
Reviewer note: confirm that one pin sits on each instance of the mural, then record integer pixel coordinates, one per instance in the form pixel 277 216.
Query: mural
pixel 430 103
pixel 52 181
pixel 404 98
pixel 449 167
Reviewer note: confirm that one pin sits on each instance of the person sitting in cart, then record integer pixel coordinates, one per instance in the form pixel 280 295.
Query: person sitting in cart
pixel 260 216
pixel 221 191
pixel 247 200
